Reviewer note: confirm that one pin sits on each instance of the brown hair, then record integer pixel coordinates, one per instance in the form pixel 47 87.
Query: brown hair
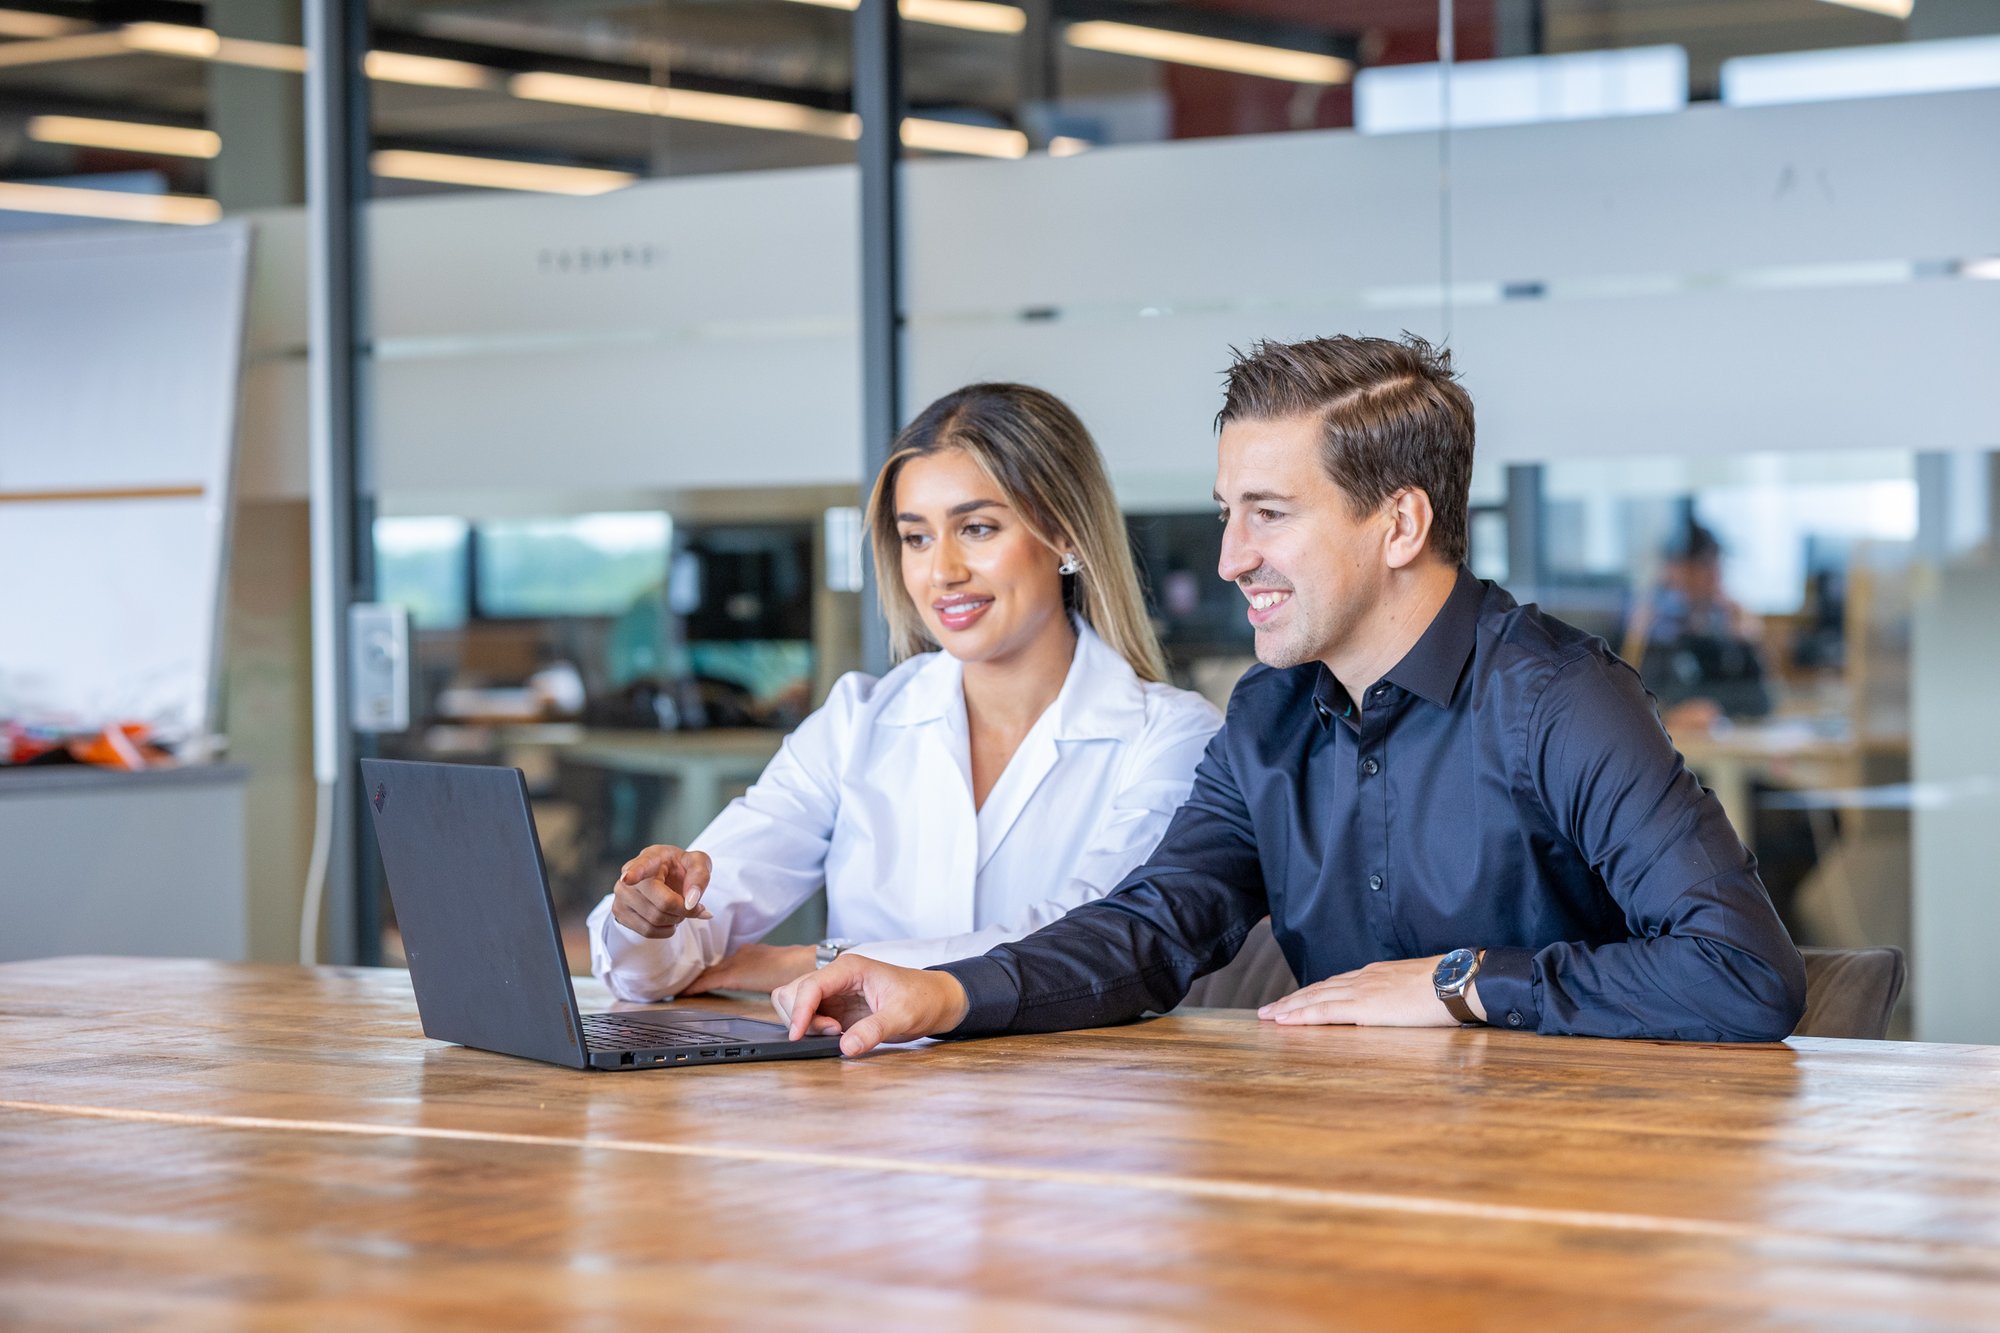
pixel 1048 468
pixel 1393 416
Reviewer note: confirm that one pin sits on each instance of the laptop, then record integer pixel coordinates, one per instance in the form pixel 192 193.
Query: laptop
pixel 479 929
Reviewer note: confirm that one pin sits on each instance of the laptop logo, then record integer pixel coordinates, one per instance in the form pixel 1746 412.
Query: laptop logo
pixel 380 795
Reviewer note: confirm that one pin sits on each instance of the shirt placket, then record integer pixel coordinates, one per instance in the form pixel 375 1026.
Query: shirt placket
pixel 1371 821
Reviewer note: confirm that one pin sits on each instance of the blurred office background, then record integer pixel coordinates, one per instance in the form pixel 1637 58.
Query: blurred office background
pixel 1723 277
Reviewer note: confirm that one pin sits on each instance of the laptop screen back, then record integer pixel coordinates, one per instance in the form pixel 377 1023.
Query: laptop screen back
pixel 472 901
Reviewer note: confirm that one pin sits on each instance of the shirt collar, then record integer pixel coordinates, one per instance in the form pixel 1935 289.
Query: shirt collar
pixel 1431 669
pixel 1101 697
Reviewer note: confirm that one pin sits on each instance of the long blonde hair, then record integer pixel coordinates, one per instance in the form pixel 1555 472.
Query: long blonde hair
pixel 1048 468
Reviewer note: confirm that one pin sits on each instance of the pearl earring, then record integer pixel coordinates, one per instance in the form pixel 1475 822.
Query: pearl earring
pixel 1070 564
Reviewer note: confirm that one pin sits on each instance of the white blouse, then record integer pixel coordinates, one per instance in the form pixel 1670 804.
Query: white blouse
pixel 872 797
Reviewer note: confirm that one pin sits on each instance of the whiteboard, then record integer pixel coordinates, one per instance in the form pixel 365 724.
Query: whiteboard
pixel 120 352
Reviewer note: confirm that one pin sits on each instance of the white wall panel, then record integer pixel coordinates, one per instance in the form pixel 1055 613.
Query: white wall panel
pixel 1719 280
pixel 709 413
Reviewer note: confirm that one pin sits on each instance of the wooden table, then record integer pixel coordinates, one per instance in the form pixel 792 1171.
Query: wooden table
pixel 209 1144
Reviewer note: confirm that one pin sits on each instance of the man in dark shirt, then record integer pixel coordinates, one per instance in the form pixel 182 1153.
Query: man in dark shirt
pixel 1452 807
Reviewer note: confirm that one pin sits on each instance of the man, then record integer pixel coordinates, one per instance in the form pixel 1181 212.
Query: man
pixel 1695 648
pixel 1453 808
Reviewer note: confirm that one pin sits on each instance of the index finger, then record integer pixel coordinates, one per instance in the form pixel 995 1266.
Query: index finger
pixel 799 1003
pixel 655 861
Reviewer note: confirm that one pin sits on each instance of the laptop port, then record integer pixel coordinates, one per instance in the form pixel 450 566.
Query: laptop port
pixel 680 1059
pixel 708 1055
pixel 625 1058
pixel 734 1050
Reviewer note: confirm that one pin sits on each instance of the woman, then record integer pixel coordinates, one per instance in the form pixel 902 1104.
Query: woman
pixel 974 793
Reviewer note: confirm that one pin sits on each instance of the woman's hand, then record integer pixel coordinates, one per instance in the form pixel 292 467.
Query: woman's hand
pixel 756 967
pixel 660 888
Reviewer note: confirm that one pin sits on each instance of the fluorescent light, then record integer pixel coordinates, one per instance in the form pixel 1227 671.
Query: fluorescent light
pixel 427 71
pixel 1522 90
pixel 1954 64
pixel 21 23
pixel 1987 269
pixel 758 113
pixel 493 173
pixel 972 15
pixel 192 43
pixel 1895 9
pixel 179 39
pixel 131 136
pixel 183 209
pixel 576 90
pixel 1065 145
pixel 951 136
pixel 83 46
pixel 1183 48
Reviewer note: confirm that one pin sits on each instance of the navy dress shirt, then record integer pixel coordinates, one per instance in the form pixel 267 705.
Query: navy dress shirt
pixel 1507 786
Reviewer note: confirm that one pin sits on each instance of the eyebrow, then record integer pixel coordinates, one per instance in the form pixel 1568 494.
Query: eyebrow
pixel 1253 497
pixel 966 508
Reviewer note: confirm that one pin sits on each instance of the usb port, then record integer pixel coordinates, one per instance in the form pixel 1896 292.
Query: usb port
pixel 708 1055
pixel 734 1050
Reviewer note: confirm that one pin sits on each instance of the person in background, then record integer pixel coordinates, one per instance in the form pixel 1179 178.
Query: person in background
pixel 1455 809
pixel 1695 648
pixel 980 789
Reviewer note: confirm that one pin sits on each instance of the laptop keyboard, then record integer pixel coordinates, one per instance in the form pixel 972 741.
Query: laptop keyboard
pixel 615 1032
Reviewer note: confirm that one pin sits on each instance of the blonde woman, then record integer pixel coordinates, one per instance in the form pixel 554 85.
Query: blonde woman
pixel 1022 757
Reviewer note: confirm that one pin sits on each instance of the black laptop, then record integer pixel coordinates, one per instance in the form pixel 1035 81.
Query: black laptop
pixel 479 928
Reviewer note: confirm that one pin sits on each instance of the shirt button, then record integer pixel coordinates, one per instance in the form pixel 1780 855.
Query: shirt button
pixel 1375 883
pixel 1513 1018
pixel 1370 767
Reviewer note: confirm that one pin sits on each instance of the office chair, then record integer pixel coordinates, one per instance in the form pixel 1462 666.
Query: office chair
pixel 1850 992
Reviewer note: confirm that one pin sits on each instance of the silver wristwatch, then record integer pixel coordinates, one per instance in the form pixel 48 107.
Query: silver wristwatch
pixel 827 950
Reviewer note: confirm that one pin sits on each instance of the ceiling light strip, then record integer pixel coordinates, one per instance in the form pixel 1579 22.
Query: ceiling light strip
pixel 116 205
pixel 27 23
pixel 126 135
pixel 427 71
pixel 970 15
pixel 49 51
pixel 496 173
pixel 645 99
pixel 951 136
pixel 1895 9
pixel 1183 48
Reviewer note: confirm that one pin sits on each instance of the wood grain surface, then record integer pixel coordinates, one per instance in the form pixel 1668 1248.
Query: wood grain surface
pixel 270 1145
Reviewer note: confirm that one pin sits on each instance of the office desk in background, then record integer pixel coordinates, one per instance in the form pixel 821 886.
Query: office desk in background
pixel 207 1144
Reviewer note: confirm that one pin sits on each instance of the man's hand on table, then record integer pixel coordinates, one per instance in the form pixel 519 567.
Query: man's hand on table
pixel 869 1002
pixel 756 967
pixel 1397 994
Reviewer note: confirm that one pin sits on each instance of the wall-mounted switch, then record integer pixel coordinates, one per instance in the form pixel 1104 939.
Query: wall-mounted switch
pixel 378 637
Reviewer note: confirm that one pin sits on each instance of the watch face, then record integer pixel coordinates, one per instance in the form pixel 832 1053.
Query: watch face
pixel 1453 969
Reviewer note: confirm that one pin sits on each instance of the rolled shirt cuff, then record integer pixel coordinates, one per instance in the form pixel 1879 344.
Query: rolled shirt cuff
pixel 991 997
pixel 1506 986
